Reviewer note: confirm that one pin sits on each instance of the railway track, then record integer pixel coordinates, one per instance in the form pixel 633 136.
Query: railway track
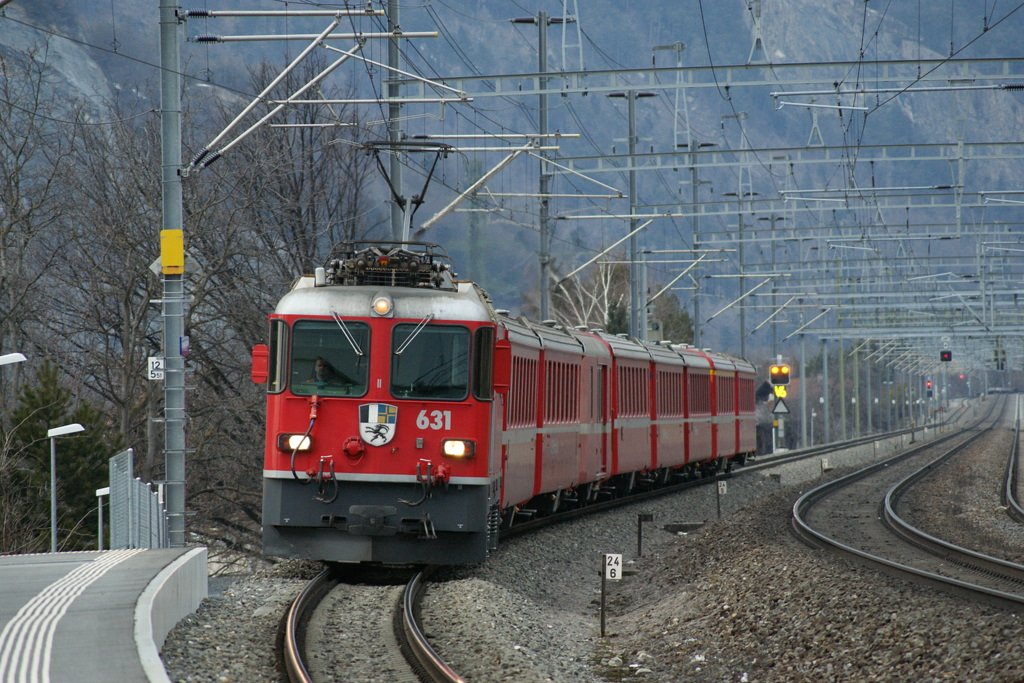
pixel 394 648
pixel 409 654
pixel 318 642
pixel 851 516
pixel 1011 480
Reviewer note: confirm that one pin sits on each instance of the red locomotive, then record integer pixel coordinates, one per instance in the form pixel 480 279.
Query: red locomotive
pixel 408 421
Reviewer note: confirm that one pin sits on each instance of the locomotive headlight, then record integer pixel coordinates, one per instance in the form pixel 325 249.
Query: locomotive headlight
pixel 458 448
pixel 294 442
pixel 382 305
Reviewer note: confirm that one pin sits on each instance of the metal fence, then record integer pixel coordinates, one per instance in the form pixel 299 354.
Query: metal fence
pixel 138 518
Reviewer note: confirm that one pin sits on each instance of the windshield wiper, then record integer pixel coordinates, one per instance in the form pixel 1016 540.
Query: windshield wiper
pixel 348 335
pixel 414 334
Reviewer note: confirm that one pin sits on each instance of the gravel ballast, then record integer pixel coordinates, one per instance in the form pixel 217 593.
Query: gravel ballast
pixel 737 600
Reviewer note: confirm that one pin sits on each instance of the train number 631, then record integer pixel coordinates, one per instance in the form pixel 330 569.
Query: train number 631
pixel 434 419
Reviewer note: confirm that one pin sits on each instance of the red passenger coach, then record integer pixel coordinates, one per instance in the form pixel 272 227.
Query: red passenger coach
pixel 734 422
pixel 700 445
pixel 408 421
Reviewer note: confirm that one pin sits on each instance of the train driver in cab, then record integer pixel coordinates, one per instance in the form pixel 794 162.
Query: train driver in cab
pixel 324 373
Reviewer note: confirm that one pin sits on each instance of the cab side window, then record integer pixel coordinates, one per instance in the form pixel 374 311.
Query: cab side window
pixel 483 363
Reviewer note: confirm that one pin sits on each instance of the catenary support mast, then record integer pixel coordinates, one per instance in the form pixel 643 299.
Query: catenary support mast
pixel 395 126
pixel 172 268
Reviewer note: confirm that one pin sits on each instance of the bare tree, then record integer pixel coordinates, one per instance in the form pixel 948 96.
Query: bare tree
pixel 20 516
pixel 110 325
pixel 601 296
pixel 33 149
pixel 107 325
pixel 267 212
pixel 34 144
pixel 307 183
pixel 589 299
pixel 80 210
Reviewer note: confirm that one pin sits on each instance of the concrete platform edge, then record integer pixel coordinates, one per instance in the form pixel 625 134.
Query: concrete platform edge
pixel 172 594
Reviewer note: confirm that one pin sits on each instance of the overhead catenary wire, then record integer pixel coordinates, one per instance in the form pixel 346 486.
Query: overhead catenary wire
pixel 477 116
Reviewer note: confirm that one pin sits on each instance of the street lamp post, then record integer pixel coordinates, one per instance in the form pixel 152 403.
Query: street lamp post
pixel 9 358
pixel 52 435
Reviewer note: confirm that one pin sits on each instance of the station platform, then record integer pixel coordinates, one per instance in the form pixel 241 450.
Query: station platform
pixel 94 616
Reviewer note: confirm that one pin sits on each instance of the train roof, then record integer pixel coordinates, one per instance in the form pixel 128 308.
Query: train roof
pixel 723 363
pixel 623 346
pixel 415 276
pixel 707 357
pixel 549 336
pixel 742 365
pixel 465 302
pixel 664 354
pixel 692 356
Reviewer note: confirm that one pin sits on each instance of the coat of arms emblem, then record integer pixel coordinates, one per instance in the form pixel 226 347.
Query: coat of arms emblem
pixel 377 423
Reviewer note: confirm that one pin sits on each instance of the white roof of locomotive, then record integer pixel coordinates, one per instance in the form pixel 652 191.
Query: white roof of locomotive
pixel 466 303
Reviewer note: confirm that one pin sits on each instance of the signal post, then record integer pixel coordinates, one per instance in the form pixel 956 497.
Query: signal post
pixel 778 376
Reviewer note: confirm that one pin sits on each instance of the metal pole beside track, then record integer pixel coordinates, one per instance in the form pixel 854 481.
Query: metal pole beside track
pixel 172 257
pixel 604 583
pixel 53 494
pixel 398 210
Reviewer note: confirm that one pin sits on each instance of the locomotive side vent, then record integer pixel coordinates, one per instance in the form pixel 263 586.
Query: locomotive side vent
pixel 389 264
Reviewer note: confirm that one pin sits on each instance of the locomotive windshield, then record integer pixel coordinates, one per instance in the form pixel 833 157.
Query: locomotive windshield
pixel 325 361
pixel 429 361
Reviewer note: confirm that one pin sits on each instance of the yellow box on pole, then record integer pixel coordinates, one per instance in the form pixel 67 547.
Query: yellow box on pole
pixel 172 252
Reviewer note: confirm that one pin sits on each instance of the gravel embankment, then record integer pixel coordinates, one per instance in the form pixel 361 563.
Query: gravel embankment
pixel 738 600
pixel 230 638
pixel 962 502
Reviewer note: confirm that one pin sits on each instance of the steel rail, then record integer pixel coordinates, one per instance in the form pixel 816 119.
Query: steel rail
pixel 808 534
pixel 293 626
pixel 961 555
pixel 421 656
pixel 1012 476
pixel 427 663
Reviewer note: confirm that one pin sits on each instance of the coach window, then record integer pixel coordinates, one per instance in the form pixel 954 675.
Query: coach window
pixel 328 359
pixel 430 361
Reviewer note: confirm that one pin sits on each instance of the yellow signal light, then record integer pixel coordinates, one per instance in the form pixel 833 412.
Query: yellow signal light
pixel 778 374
